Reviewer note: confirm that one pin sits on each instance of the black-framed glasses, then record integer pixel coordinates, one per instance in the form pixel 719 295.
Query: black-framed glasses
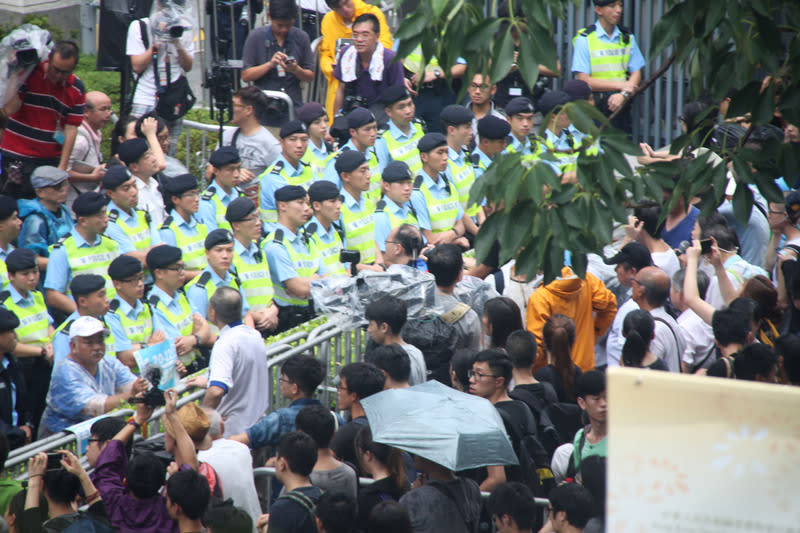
pixel 59 71
pixel 284 380
pixel 134 279
pixel 94 440
pixel 341 388
pixel 391 242
pixel 478 375
pixel 179 268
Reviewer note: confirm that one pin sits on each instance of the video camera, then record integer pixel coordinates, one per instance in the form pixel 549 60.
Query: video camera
pixel 25 54
pixel 154 397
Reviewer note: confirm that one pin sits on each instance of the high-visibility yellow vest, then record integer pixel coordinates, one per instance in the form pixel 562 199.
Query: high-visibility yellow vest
pixel 139 234
pixel 90 260
pixel 3 274
pixel 329 252
pixel 305 264
pixel 394 220
pixel 64 330
pixel 306 177
pixel 316 163
pixel 374 191
pixel 568 160
pixel 443 213
pixel 192 246
pixel 210 195
pixel 34 323
pixel 359 230
pixel 463 176
pixel 139 330
pixel 204 282
pixel 406 151
pixel 607 61
pixel 256 281
pixel 183 321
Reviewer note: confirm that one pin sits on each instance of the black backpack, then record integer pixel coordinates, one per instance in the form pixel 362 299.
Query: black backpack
pixel 547 432
pixel 534 461
pixel 436 337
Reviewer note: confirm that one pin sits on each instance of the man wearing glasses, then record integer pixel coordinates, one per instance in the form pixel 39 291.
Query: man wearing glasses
pixel 86 166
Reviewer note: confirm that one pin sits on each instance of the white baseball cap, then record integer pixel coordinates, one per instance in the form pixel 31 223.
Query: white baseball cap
pixel 86 326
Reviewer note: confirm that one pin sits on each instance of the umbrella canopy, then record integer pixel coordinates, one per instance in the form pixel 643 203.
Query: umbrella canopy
pixel 450 428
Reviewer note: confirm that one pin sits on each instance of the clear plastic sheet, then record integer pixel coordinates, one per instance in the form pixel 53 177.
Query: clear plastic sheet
pixel 169 15
pixel 475 292
pixel 20 52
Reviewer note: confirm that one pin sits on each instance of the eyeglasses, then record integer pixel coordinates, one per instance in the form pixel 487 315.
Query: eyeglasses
pixel 284 380
pixel 94 440
pixel 179 268
pixel 136 279
pixel 478 375
pixel 482 86
pixel 251 218
pixel 391 242
pixel 191 194
pixel 59 71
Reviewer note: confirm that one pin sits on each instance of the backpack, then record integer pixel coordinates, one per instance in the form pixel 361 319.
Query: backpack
pixel 436 337
pixel 472 526
pixel 84 523
pixel 304 501
pixel 566 417
pixel 548 434
pixel 534 461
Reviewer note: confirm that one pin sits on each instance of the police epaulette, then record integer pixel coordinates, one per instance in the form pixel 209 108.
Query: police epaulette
pixel 417 182
pixel 339 230
pixel 585 32
pixel 154 300
pixel 343 149
pixel 311 229
pixel 113 305
pixel 305 163
pixel 625 34
pixel 65 329
pixel 277 236
pixel 167 222
pixel 113 215
pixel 422 124
pixel 380 206
pixel 209 193
pixel 205 277
pixel 277 167
pixel 476 160
pixel 443 177
pixel 4 296
pixel 61 240
pixel 147 217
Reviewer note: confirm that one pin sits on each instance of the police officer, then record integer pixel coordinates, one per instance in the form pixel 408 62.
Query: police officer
pixel 34 348
pixel 293 264
pixel 189 331
pixel 182 228
pixel 398 142
pixel 358 212
pixel 17 422
pixel 318 153
pixel 10 225
pixel 363 130
pixel 492 135
pixel 91 299
pixel 520 117
pixel 226 165
pixel 394 208
pixel 129 227
pixel 558 139
pixel 288 169
pixel 434 198
pixel 250 264
pixel 605 55
pixel 457 126
pixel 133 323
pixel 323 229
pixel 217 273
pixel 84 251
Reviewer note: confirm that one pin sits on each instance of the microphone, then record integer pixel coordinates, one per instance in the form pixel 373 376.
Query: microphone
pixel 682 247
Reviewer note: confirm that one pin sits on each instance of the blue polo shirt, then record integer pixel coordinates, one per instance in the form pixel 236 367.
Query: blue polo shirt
pixel 116 233
pixel 207 214
pixel 581 60
pixel 281 267
pixel 59 273
pixel 383 224
pixel 198 296
pixel 271 182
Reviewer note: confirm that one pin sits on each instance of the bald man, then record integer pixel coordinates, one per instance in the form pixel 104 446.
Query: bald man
pixel 651 292
pixel 86 166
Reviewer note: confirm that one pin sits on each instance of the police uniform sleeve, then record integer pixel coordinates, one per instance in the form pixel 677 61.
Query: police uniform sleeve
pixel 160 321
pixel 207 214
pixel 155 235
pixel 198 299
pixel 580 55
pixel 421 207
pixel 166 236
pixel 115 233
pixel 382 152
pixel 60 347
pixel 382 229
pixel 121 340
pixel 636 61
pixel 280 264
pixel 58 271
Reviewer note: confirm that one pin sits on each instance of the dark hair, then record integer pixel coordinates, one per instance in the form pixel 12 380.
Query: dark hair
pixel 700 115
pixel 575 500
pixel 760 289
pixel 754 360
pixel 788 346
pixel 590 383
pixel 499 362
pixel 119 131
pixel 316 421
pixel 223 517
pixel 515 500
pixel 725 235
pixel 299 450
pixel 730 326
pixel 386 455
pixel 337 512
pixel 252 95
pixel 504 316
pixel 305 371
pixel 558 335
pixel 461 363
pixel 333 4
pixel 66 50
pixel 521 348
pixel 363 379
pixel 62 486
pixel 16 506
pixel 637 328
pixel 445 262
pixel 189 490
pixel 392 359
pixel 649 213
pixel 162 124
pixel 145 475
pixel 388 310
pixel 368 18
pixel 593 477
pixel 702 281
pixel 408 236
pixel 389 517
pixel 282 10
pixel 106 429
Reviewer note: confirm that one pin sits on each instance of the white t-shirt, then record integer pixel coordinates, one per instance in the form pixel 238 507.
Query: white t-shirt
pixel 666 261
pixel 239 363
pixel 151 201
pixel 699 339
pixel 669 341
pixel 419 371
pixel 257 151
pixel 615 340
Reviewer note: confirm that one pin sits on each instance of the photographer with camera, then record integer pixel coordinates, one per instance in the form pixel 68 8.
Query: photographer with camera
pixel 52 98
pixel 277 58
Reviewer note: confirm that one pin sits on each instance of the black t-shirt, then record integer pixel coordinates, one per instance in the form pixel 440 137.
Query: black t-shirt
pixel 519 415
pixel 543 392
pixel 658 364
pixel 371 495
pixel 550 375
pixel 719 368
pixel 342 443
pixel 289 516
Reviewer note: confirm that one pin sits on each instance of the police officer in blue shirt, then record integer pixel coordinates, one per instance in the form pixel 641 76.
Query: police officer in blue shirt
pixel 363 130
pixel 520 117
pixel 323 229
pixel 89 291
pixel 226 164
pixel 492 135
pixel 129 227
pixel 182 228
pixel 394 208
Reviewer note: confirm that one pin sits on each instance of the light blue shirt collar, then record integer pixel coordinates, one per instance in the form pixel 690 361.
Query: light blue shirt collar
pixel 225 197
pixel 131 312
pixel 319 152
pixel 165 298
pixel 398 134
pixel 485 159
pixel 351 202
pixel 396 209
pixel 181 222
pixel 18 299
pixel 326 236
pixel 127 217
pixel 602 35
pixel 456 157
pixel 247 254
pixel 81 242
pixel 433 185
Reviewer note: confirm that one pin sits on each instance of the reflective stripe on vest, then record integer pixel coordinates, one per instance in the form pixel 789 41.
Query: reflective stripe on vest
pixel 3 274
pixel 443 212
pixel 139 234
pixel 405 151
pixel 304 264
pixel 607 61
pixel 139 330
pixel 359 230
pixel 329 252
pixel 306 177
pixel 92 260
pixel 220 209
pixel 256 282
pixel 183 323
pixel 463 176
pixel 193 247
pixel 34 323
pixel 374 191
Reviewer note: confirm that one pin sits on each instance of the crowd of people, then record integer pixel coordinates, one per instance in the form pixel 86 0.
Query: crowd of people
pixel 101 257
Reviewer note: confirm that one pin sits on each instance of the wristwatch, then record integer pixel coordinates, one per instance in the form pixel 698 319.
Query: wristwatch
pixel 437 73
pixel 625 94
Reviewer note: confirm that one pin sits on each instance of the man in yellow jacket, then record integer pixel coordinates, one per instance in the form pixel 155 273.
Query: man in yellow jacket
pixel 337 24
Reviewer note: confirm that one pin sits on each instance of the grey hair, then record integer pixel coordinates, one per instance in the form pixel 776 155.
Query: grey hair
pixel 227 303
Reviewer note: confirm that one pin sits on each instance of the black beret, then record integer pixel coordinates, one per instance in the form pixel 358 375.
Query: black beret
pixel 239 208
pixel 359 117
pixel 603 3
pixel 8 320
pixel 292 127
pixel 217 237
pixel 323 190
pixel 224 156
pixel 162 256
pixel 456 114
pixel 131 150
pixel 116 176
pixel 89 203
pixel 310 112
pixel 123 267
pixel 493 128
pixel 394 93
pixel 520 104
pixel 349 160
pixel 551 100
pixel 84 284
pixel 287 193
pixel 396 171
pixel 577 90
pixel 432 140
pixel 20 259
pixel 180 184
pixel 7 206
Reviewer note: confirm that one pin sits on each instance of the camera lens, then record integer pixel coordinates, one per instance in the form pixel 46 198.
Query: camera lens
pixel 176 32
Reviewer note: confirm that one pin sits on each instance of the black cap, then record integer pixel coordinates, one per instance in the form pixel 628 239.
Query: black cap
pixel 603 3
pixel 217 237
pixel 292 127
pixel 225 155
pixel 394 93
pixel 792 204
pixel 359 117
pixel 430 141
pixel 116 176
pixel 396 171
pixel 456 114
pixel 20 259
pixel 310 112
pixel 493 128
pixel 551 100
pixel 520 104
pixel 322 190
pixel 180 184
pixel 349 160
pixel 89 203
pixel 635 254
pixel 124 267
pixel 287 193
pixel 7 206
pixel 577 90
pixel 132 150
pixel 162 256
pixel 239 208
pixel 8 320
pixel 84 284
